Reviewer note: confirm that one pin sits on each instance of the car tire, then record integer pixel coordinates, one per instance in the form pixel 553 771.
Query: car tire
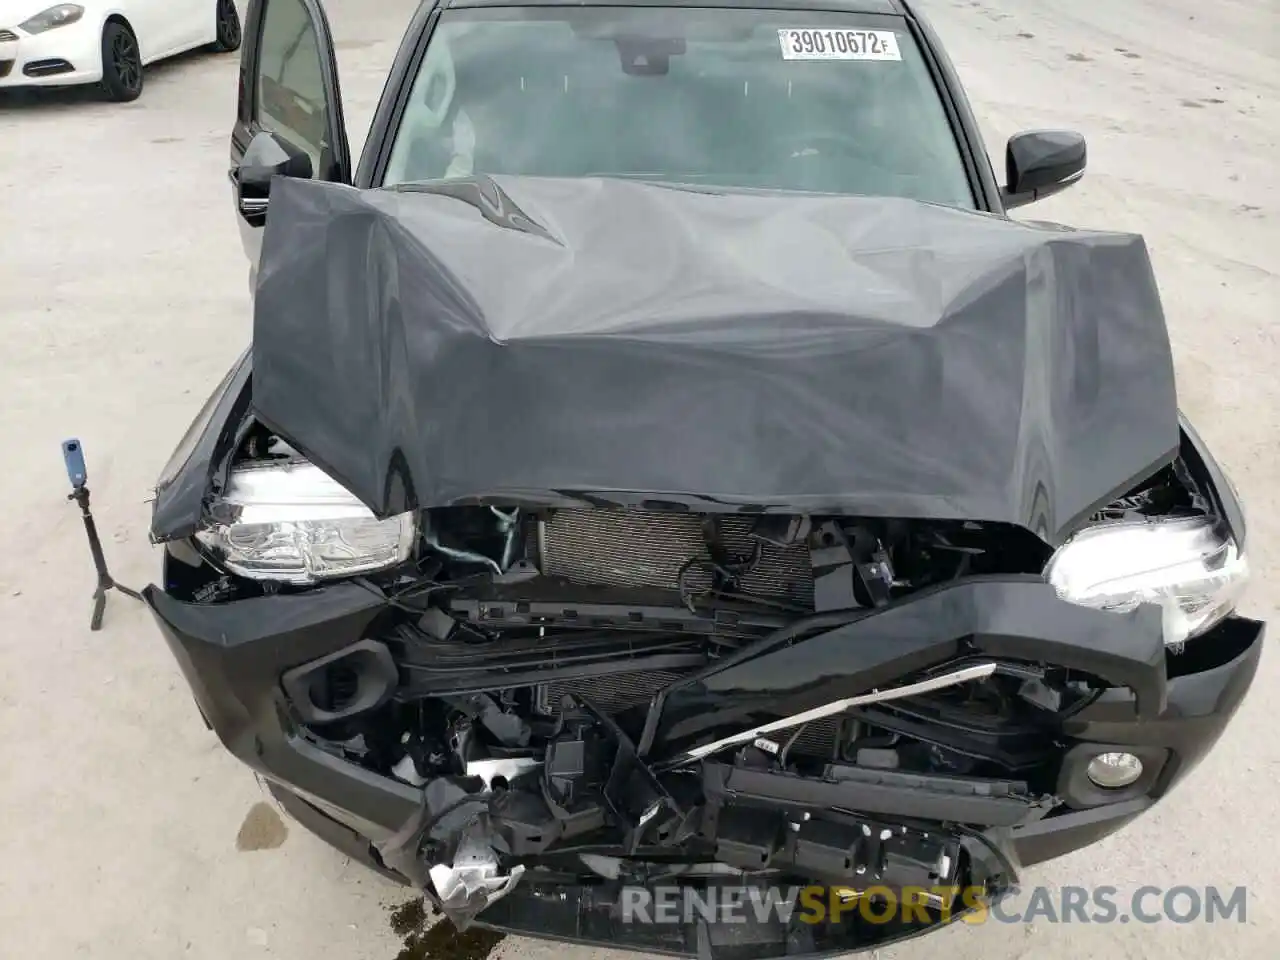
pixel 121 63
pixel 227 20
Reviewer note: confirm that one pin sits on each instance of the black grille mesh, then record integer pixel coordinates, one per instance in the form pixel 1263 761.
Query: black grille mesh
pixel 612 694
pixel 638 548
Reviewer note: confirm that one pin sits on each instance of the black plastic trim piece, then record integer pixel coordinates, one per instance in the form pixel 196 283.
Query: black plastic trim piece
pixel 1009 618
pixel 611 609
pixel 201 456
pixel 1213 481
pixel 1056 836
pixel 339 836
pixel 986 803
pixel 376 680
pixel 433 667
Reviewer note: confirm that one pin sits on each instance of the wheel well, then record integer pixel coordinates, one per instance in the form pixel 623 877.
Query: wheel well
pixel 118 18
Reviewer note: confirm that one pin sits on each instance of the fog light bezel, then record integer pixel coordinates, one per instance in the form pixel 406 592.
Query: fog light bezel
pixel 1078 790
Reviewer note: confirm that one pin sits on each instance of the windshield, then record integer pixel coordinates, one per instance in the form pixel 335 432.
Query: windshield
pixel 769 99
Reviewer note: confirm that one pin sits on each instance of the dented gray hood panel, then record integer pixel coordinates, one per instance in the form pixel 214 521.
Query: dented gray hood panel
pixel 556 341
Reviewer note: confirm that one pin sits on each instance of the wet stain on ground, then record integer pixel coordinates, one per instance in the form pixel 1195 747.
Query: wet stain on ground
pixel 409 917
pixel 262 829
pixel 441 940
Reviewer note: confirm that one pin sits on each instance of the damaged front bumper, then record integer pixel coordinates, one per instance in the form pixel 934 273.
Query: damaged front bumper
pixel 694 795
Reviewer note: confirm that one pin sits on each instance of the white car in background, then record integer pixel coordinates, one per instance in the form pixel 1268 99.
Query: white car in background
pixel 44 44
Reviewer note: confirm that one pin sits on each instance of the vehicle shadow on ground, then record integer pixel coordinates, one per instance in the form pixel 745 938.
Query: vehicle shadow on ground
pixel 50 98
pixel 63 98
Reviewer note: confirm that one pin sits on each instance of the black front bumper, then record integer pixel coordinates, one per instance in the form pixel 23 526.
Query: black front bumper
pixel 233 655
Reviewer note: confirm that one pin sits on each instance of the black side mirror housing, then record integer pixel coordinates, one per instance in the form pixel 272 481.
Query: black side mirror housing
pixel 268 155
pixel 1040 163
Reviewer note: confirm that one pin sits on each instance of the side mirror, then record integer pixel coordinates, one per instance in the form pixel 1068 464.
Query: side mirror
pixel 1040 163
pixel 268 155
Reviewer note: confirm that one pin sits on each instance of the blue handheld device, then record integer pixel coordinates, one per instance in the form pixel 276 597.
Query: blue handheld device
pixel 73 456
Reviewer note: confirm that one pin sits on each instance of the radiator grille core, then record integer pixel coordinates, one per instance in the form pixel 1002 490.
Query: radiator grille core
pixel 612 694
pixel 639 548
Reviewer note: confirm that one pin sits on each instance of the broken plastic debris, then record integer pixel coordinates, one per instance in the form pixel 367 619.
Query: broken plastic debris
pixel 474 882
pixel 406 771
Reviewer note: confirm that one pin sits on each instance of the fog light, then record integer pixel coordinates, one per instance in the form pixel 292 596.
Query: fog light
pixel 1114 770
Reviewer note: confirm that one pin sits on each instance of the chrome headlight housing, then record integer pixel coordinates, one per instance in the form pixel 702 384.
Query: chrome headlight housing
pixel 291 522
pixel 1187 566
pixel 60 15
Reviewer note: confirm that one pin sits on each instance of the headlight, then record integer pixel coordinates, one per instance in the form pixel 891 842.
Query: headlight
pixel 59 16
pixel 294 523
pixel 1194 572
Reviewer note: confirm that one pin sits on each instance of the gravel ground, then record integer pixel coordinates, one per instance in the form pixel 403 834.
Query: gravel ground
pixel 127 833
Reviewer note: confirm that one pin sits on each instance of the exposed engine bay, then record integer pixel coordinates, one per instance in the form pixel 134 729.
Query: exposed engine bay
pixel 530 662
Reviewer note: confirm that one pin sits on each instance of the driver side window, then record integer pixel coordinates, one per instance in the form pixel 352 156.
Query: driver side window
pixel 290 94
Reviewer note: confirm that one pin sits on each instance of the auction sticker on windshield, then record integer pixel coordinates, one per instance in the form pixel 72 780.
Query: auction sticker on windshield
pixel 800 43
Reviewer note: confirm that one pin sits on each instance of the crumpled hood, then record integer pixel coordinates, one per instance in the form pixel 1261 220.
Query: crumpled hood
pixel 557 341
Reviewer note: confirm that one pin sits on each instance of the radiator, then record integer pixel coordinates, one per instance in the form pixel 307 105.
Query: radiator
pixel 612 694
pixel 638 548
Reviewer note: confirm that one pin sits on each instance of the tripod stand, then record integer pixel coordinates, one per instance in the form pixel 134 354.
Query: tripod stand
pixel 73 456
